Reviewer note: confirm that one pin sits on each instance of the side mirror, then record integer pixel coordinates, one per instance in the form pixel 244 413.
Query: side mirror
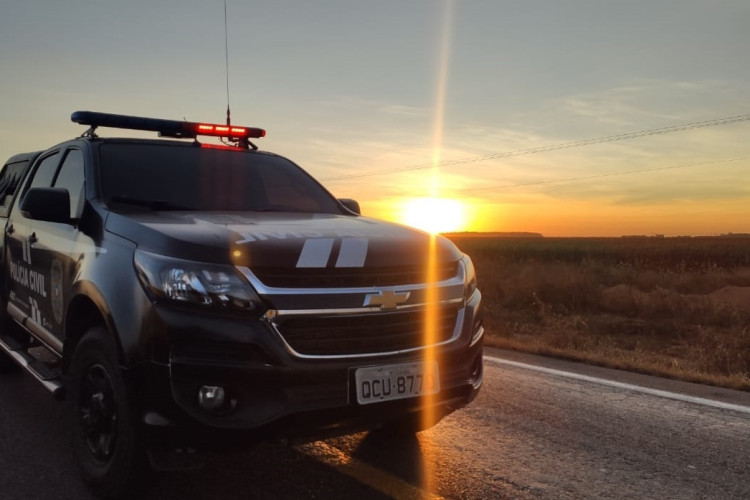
pixel 350 205
pixel 47 204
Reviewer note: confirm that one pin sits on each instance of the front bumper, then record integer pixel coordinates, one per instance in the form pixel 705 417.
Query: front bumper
pixel 271 393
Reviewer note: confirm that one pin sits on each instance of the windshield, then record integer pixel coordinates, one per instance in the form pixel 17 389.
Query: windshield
pixel 176 177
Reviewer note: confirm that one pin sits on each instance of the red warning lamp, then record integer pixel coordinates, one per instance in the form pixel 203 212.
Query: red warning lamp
pixel 228 131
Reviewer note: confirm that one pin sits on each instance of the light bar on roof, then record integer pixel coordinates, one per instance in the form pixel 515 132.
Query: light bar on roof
pixel 167 128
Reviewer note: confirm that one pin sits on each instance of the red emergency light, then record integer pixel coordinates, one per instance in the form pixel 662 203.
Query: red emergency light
pixel 227 131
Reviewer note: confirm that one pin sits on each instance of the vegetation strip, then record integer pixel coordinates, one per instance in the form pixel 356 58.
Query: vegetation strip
pixel 621 385
pixel 670 307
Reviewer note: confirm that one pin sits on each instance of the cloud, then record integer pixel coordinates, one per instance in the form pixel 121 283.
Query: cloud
pixel 638 104
pixel 352 137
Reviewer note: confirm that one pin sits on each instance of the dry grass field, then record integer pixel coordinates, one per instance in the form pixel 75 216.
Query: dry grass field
pixel 675 307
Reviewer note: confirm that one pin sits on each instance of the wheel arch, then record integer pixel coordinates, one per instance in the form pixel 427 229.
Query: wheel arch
pixel 85 311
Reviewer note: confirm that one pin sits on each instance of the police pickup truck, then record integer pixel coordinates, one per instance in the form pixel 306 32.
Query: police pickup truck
pixel 184 294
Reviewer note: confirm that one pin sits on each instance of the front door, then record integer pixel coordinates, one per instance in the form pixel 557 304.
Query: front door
pixel 40 254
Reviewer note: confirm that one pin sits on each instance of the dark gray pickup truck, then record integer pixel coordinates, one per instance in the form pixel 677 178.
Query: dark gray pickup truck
pixel 190 296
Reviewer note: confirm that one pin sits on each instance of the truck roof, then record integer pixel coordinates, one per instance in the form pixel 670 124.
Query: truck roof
pixel 30 157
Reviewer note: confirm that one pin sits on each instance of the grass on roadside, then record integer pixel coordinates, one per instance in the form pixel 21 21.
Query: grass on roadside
pixel 675 307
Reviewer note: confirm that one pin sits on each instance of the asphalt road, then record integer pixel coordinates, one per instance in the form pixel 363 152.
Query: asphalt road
pixel 530 434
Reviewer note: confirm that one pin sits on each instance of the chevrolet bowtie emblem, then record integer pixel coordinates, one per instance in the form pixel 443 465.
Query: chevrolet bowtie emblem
pixel 386 299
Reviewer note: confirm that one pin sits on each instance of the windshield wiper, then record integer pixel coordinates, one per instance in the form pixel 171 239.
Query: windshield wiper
pixel 152 204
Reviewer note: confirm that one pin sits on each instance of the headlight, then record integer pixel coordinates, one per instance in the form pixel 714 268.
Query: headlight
pixel 470 276
pixel 196 283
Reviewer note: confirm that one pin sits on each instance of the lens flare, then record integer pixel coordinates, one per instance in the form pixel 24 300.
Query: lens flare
pixel 430 414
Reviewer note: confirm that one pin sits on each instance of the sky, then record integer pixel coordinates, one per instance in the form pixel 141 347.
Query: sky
pixel 453 114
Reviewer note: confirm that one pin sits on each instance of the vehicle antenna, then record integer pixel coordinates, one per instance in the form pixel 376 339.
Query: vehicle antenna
pixel 226 57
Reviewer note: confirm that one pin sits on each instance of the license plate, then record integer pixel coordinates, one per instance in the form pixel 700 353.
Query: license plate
pixel 390 382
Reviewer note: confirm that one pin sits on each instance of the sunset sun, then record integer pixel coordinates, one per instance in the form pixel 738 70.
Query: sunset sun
pixel 434 215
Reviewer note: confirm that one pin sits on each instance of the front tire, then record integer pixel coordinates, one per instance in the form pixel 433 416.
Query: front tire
pixel 106 439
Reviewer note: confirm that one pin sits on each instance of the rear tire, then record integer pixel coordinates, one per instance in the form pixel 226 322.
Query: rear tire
pixel 106 439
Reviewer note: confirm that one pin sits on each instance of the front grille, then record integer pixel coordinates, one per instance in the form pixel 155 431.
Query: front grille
pixel 350 277
pixel 365 333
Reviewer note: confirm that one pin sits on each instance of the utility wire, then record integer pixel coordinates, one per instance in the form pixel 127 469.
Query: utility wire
pixel 597 176
pixel 553 147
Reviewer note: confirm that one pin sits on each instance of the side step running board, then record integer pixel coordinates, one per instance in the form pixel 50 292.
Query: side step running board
pixel 49 377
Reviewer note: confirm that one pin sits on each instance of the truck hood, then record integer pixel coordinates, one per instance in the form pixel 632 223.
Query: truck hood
pixel 281 240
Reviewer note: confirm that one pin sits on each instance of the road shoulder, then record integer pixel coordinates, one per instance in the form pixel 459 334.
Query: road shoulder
pixel 718 394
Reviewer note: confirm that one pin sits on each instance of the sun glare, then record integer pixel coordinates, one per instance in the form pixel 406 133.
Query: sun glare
pixel 434 215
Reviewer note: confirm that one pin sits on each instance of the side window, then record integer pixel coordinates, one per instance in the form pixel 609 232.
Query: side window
pixel 45 172
pixel 71 178
pixel 10 177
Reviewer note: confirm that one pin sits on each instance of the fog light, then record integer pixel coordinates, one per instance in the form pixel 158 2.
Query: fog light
pixel 211 397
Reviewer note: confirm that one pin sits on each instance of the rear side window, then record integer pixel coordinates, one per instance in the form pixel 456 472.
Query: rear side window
pixel 207 179
pixel 10 178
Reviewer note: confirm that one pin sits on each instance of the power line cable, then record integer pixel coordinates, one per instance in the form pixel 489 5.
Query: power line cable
pixel 597 176
pixel 553 147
